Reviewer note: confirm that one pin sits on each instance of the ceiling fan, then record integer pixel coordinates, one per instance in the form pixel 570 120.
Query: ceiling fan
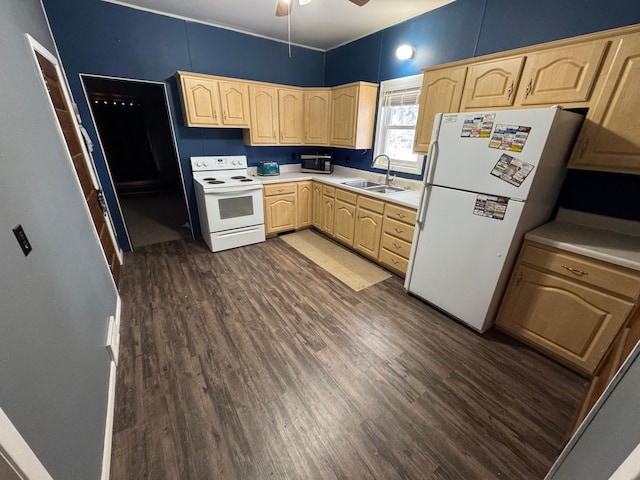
pixel 284 6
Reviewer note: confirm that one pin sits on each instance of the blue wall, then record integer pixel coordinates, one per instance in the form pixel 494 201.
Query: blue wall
pixel 102 38
pixel 470 28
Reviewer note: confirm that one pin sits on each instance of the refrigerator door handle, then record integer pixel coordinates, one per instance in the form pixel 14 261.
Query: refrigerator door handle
pixel 432 154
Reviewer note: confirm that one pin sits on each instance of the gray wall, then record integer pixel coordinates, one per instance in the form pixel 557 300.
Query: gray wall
pixel 610 436
pixel 54 304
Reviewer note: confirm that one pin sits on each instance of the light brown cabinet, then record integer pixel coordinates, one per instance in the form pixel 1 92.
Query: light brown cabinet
pixel 280 207
pixel 397 234
pixel 492 84
pixel 609 138
pixel 209 102
pixel 304 204
pixel 328 208
pixel 353 115
pixel 563 75
pixel 345 216
pixel 317 115
pixel 368 226
pixel 441 92
pixel 290 116
pixel 566 305
pixel 316 205
pixel 263 102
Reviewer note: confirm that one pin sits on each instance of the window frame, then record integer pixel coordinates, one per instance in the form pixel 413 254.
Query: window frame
pixel 403 83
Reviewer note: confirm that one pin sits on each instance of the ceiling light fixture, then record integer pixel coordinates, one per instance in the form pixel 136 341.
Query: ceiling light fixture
pixel 405 52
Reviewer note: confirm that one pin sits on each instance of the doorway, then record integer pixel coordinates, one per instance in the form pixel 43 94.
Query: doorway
pixel 134 129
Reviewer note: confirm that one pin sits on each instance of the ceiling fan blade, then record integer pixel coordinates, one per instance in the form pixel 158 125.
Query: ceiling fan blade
pixel 283 8
pixel 360 3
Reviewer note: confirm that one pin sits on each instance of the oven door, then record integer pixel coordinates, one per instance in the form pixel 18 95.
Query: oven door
pixel 234 207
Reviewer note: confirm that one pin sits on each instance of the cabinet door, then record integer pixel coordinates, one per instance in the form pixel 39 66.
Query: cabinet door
pixel 328 204
pixel 201 102
pixel 570 320
pixel 562 75
pixel 290 116
pixel 344 105
pixel 264 115
pixel 304 204
pixel 316 117
pixel 609 138
pixel 492 84
pixel 368 232
pixel 345 222
pixel 234 99
pixel 316 205
pixel 280 213
pixel 441 92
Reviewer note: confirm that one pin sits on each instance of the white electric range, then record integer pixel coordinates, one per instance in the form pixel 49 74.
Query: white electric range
pixel 230 203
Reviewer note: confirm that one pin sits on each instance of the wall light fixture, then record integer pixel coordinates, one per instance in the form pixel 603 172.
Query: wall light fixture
pixel 405 52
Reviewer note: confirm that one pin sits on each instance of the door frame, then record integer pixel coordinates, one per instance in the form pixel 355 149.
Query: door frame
pixel 37 48
pixel 104 155
pixel 18 454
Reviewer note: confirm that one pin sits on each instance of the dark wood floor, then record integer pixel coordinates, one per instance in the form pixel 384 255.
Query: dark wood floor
pixel 254 363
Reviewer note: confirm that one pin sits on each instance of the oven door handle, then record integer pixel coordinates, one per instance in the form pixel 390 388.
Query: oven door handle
pixel 233 191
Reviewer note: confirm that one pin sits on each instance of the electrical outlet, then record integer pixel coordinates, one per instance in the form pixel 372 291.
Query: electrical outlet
pixel 23 241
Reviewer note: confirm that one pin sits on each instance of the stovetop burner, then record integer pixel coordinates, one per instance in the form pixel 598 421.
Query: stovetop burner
pixel 247 180
pixel 238 177
pixel 214 181
pixel 208 179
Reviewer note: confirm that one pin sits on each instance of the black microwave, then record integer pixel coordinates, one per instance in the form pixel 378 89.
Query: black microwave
pixel 316 163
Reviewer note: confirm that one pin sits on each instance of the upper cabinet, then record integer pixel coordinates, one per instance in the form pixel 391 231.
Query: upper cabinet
pixel 263 101
pixel 492 84
pixel 609 139
pixel 290 116
pixel 209 102
pixel 441 92
pixel 317 116
pixel 353 109
pixel 561 75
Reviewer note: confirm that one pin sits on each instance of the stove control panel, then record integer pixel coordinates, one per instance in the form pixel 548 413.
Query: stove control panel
pixel 216 163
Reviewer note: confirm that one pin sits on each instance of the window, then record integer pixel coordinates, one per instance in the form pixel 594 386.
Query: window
pixel 396 127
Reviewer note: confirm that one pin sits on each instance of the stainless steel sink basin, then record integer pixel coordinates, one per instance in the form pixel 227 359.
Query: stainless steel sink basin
pixel 384 189
pixel 362 184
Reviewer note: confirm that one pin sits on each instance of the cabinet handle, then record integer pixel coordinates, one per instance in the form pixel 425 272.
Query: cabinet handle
pixel 584 146
pixel 576 271
pixel 397 247
pixel 519 278
pixel 394 261
pixel 398 230
pixel 224 113
pixel 526 94
pixel 401 215
pixel 215 115
pixel 274 134
pixel 510 90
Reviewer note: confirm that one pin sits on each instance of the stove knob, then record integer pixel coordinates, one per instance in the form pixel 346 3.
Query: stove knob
pixel 198 163
pixel 205 164
pixel 236 162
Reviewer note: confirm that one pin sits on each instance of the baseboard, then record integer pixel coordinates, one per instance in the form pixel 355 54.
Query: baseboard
pixel 111 404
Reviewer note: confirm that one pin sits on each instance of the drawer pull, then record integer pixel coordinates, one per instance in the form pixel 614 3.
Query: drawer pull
pixel 575 271
pixel 399 230
pixel 397 246
pixel 401 215
pixel 519 279
pixel 394 261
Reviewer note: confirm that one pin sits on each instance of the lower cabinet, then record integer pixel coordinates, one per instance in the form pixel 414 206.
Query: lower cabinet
pixel 305 200
pixel 368 226
pixel 345 217
pixel 566 305
pixel 316 205
pixel 397 234
pixel 280 207
pixel 328 206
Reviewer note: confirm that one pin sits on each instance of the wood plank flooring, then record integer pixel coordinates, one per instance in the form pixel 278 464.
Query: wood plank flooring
pixel 254 363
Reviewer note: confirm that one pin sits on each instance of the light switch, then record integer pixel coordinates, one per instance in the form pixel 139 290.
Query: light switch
pixel 23 241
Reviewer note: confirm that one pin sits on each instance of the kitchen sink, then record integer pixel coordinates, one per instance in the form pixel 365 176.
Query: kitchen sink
pixel 362 184
pixel 384 189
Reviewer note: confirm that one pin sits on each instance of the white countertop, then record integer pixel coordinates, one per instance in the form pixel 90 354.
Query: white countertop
pixel 612 240
pixel 291 173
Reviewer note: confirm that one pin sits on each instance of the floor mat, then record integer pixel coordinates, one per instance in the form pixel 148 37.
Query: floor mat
pixel 348 267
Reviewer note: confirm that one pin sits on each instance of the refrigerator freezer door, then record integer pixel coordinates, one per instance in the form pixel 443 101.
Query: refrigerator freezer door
pixel 467 163
pixel 459 257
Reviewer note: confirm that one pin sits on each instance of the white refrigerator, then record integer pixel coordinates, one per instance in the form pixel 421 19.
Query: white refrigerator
pixel 490 178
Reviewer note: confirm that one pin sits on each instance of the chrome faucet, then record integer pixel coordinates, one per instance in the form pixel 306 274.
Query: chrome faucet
pixel 388 180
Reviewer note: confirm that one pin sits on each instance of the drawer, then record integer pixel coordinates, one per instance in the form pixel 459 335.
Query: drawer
pixel 398 229
pixel 370 204
pixel 280 189
pixel 393 261
pixel 609 277
pixel 395 245
pixel 328 191
pixel 345 196
pixel 402 214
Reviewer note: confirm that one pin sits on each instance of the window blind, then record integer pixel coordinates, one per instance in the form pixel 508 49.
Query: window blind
pixel 402 97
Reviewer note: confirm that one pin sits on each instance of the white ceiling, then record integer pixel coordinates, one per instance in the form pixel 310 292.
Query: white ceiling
pixel 321 24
